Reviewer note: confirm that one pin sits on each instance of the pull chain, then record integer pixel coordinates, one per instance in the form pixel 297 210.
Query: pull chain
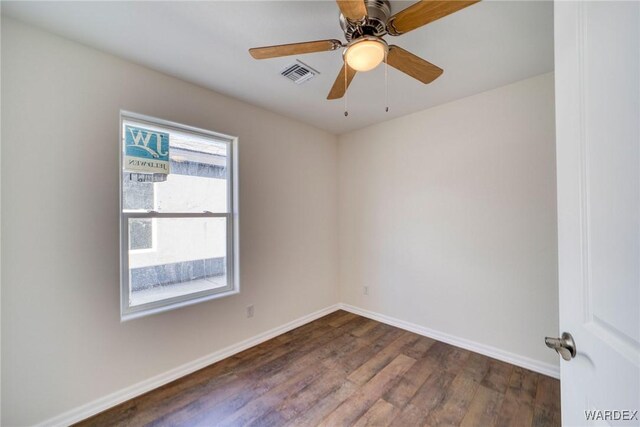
pixel 346 113
pixel 386 82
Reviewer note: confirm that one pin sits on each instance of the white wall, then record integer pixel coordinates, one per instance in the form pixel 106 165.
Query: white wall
pixel 449 217
pixel 62 342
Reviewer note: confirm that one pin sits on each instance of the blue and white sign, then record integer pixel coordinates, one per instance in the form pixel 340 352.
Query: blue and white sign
pixel 146 150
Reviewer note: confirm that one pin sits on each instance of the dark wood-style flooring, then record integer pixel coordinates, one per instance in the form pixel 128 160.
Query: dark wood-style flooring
pixel 343 370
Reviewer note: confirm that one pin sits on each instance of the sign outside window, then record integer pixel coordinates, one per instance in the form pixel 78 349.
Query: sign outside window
pixel 146 151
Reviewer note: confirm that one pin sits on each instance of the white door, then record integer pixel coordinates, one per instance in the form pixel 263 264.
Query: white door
pixel 597 60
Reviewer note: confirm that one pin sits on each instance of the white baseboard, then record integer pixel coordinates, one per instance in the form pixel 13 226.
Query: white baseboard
pixel 113 399
pixel 493 352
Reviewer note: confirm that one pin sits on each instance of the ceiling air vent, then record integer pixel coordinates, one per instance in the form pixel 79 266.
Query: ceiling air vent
pixel 299 72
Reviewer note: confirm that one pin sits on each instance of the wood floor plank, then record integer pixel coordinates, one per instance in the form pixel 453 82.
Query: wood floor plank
pixel 546 412
pixel 453 407
pixel 368 345
pixel 342 318
pixel 344 369
pixel 403 391
pixel 548 393
pixel 483 409
pixel 300 402
pixel 411 415
pixel 430 395
pixel 357 404
pixel 518 403
pixel 324 406
pixel 448 357
pixel 418 348
pixel 498 375
pixel 512 411
pixel 381 414
pixel 523 385
pixel 256 408
pixel 543 417
pixel 367 370
pixel 325 320
pixel 477 366
pixel 381 331
pixel 365 328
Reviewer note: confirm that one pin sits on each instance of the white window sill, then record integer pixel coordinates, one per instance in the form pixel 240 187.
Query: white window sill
pixel 147 312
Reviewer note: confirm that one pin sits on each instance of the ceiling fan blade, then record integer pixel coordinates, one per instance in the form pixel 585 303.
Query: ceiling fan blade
pixel 338 89
pixel 422 13
pixel 353 10
pixel 412 65
pixel 294 48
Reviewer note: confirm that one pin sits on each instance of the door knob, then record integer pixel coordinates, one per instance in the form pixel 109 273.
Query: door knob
pixel 565 346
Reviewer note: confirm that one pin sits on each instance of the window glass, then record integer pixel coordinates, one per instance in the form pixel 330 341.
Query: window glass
pixel 197 181
pixel 140 234
pixel 190 257
pixel 136 195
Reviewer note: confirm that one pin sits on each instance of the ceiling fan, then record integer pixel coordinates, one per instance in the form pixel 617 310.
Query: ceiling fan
pixel 364 23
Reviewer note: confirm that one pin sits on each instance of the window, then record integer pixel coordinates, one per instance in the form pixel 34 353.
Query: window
pixel 179 217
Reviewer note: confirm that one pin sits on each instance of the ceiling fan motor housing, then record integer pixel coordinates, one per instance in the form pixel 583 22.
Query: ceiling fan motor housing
pixel 375 24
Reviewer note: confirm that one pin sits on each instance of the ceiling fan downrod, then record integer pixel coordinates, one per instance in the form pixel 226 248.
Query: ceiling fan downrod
pixel 373 24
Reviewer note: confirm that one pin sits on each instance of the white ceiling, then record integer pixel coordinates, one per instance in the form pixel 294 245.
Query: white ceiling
pixel 482 47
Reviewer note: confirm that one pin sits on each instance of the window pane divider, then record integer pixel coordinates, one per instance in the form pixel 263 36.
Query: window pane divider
pixel 154 214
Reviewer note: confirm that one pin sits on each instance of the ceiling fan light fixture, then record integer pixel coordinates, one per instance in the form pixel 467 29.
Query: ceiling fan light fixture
pixel 365 53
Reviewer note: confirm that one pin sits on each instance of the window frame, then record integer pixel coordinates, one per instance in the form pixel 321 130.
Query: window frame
pixel 232 224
